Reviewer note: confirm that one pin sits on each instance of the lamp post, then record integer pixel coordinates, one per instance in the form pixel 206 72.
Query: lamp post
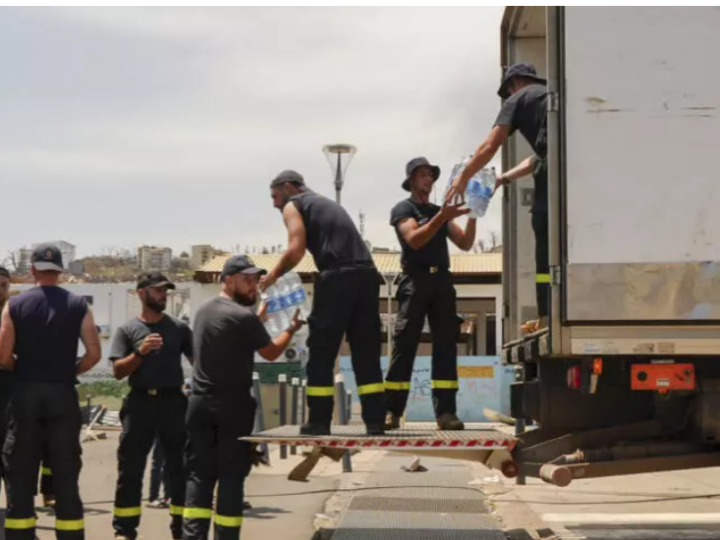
pixel 389 278
pixel 339 157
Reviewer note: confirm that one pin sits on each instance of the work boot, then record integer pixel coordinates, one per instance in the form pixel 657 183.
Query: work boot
pixel 392 421
pixel 48 501
pixel 375 429
pixel 449 422
pixel 314 429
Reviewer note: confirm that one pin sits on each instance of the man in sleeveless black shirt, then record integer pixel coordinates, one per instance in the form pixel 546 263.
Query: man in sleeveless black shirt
pixel 39 339
pixel 426 289
pixel 345 300
pixel 524 110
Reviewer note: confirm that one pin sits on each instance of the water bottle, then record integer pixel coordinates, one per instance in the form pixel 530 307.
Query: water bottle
pixel 298 296
pixel 277 319
pixel 479 189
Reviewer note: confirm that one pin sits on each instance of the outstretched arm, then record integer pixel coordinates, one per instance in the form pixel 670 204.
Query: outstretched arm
pixel 297 244
pixel 485 152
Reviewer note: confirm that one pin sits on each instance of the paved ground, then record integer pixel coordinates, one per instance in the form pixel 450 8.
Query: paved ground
pixel 671 505
pixel 277 513
pixel 659 506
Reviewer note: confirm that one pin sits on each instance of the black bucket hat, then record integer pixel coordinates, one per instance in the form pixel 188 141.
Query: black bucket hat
pixel 414 164
pixel 518 70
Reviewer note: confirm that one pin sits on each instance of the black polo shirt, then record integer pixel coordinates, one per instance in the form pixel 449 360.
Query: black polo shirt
pixel 161 368
pixel 435 252
pixel 226 336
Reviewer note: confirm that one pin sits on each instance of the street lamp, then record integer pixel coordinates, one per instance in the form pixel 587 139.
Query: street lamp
pixel 389 278
pixel 339 157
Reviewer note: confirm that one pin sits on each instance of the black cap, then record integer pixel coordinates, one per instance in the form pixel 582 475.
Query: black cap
pixel 240 264
pixel 47 258
pixel 154 280
pixel 4 272
pixel 518 70
pixel 288 176
pixel 414 164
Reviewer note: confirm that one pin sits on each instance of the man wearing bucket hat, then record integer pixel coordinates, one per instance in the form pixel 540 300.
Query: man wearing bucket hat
pixel 524 110
pixel 425 289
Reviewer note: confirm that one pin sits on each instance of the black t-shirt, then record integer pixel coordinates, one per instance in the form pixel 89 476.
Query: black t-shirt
pixel 435 252
pixel 526 111
pixel 332 238
pixel 226 337
pixel 161 368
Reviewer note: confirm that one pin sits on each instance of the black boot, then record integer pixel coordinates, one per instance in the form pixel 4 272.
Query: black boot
pixel 315 429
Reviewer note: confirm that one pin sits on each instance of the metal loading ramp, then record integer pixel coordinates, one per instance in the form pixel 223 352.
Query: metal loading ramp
pixel 416 437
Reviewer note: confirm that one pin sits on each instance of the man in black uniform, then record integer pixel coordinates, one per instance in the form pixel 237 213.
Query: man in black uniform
pixel 221 410
pixel 346 299
pixel 149 351
pixel 5 375
pixel 42 328
pixel 426 289
pixel 524 110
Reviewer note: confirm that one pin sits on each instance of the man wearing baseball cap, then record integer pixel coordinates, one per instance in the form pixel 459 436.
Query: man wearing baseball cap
pixel 39 338
pixel 227 334
pixel 425 289
pixel 148 350
pixel 524 110
pixel 346 300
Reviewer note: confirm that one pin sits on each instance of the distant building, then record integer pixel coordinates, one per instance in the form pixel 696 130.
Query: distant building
pixel 66 248
pixel 201 254
pixel 154 258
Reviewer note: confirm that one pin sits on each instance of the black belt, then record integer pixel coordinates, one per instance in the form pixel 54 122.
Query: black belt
pixel 427 270
pixel 156 391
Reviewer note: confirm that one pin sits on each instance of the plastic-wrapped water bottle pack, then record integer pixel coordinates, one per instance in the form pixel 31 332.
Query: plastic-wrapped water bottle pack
pixel 479 189
pixel 283 300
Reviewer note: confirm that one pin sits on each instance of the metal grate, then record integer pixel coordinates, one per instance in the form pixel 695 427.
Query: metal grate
pixel 416 534
pixel 434 506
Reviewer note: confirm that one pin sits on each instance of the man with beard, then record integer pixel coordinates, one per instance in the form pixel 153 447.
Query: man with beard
pixel 149 351
pixel 425 289
pixel 227 334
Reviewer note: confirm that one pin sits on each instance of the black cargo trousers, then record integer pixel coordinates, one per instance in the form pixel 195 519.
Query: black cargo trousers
pixel 215 455
pixel 145 414
pixel 345 301
pixel 425 293
pixel 39 414
pixel 542 249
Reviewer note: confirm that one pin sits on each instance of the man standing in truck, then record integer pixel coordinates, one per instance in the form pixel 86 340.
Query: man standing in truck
pixel 426 289
pixel 524 110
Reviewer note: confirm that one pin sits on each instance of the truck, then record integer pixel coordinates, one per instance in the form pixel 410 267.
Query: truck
pixel 625 378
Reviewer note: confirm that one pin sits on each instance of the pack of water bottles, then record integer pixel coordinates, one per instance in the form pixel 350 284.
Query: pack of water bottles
pixel 479 189
pixel 283 300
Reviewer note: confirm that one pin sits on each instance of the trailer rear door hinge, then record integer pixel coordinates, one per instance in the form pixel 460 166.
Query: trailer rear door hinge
pixel 555 275
pixel 553 102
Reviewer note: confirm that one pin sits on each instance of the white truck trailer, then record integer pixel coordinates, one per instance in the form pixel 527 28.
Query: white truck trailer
pixel 626 378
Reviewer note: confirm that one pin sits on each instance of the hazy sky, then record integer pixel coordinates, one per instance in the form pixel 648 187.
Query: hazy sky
pixel 127 126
